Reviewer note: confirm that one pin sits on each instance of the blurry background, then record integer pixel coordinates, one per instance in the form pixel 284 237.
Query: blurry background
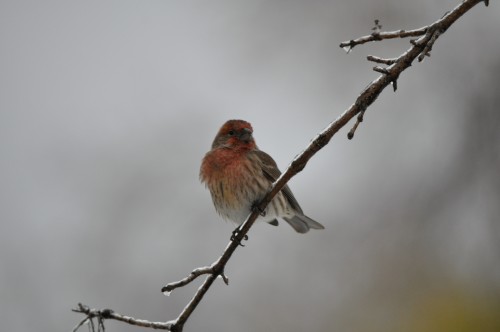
pixel 107 107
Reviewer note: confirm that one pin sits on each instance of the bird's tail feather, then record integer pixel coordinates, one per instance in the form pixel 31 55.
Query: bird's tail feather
pixel 302 223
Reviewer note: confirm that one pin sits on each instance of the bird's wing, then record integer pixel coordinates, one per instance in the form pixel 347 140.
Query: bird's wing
pixel 272 173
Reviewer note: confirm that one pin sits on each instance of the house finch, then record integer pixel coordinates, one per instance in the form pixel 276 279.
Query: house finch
pixel 238 176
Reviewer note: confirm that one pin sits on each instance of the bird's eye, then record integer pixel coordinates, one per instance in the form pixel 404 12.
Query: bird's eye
pixel 231 133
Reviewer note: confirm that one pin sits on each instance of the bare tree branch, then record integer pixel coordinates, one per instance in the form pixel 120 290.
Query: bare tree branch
pixel 103 314
pixel 420 48
pixel 376 36
pixel 381 60
pixel 192 276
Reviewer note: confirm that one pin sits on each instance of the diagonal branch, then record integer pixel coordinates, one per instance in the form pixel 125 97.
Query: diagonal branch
pixel 419 49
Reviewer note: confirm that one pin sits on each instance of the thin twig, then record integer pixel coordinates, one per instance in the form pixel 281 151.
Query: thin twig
pixel 103 314
pixel 381 60
pixel 359 119
pixel 192 276
pixel 381 70
pixel 167 289
pixel 376 36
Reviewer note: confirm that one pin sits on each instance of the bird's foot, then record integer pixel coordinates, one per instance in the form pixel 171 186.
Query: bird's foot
pixel 255 206
pixel 235 234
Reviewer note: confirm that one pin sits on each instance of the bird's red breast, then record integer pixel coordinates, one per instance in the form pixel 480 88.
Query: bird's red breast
pixel 229 175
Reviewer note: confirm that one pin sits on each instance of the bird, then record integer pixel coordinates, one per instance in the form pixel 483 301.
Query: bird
pixel 238 175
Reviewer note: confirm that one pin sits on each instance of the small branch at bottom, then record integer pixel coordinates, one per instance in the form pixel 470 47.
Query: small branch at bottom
pixel 103 314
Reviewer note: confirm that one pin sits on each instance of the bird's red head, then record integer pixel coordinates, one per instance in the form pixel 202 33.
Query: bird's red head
pixel 235 134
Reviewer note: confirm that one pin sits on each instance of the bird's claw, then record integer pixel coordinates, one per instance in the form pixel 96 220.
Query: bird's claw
pixel 255 206
pixel 235 234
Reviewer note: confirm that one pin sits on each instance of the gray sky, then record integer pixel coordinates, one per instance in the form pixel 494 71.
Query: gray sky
pixel 107 107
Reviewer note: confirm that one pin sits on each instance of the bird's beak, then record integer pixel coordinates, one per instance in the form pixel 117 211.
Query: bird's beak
pixel 246 135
